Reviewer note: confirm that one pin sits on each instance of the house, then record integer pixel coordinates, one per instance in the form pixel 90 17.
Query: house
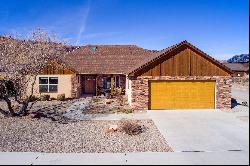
pixel 178 77
pixel 240 69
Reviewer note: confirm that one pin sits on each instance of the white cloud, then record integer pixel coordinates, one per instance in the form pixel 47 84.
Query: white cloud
pixel 83 23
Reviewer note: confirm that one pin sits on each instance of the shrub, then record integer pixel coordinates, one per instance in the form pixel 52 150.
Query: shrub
pixel 33 98
pixel 121 100
pixel 130 127
pixel 52 98
pixel 45 97
pixel 61 97
pixel 126 110
pixel 246 80
pixel 95 100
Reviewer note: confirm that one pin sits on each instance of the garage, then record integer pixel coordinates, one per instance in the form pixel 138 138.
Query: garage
pixel 181 77
pixel 181 94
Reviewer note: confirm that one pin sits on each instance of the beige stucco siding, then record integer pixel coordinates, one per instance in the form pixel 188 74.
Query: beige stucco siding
pixel 128 90
pixel 64 86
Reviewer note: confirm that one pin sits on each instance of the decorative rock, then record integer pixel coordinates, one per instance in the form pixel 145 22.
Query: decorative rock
pixel 108 101
pixel 108 130
pixel 80 137
pixel 113 127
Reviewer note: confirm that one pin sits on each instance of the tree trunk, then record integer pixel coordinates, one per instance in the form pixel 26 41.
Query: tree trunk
pixel 25 104
pixel 24 110
pixel 8 101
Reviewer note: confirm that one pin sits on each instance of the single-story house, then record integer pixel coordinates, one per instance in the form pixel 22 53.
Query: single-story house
pixel 178 77
pixel 240 69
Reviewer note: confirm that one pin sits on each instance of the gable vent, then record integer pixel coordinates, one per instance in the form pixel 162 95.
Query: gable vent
pixel 93 49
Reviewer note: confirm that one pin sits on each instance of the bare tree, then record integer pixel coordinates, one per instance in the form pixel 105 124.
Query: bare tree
pixel 22 61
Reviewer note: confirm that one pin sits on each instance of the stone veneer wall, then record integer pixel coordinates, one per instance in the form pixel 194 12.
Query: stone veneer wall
pixel 76 86
pixel 140 89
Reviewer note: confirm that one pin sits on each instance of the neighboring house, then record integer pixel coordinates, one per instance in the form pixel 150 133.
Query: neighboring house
pixel 178 77
pixel 240 69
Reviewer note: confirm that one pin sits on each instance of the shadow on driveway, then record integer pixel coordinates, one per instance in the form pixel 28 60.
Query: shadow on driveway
pixel 235 103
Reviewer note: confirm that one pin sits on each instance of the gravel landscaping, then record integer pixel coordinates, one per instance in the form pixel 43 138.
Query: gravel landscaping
pixel 32 135
pixel 77 108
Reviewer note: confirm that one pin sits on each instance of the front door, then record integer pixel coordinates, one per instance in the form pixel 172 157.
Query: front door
pixel 89 85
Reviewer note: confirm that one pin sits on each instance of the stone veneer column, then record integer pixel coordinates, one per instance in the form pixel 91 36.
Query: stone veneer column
pixel 140 93
pixel 140 90
pixel 75 86
pixel 223 95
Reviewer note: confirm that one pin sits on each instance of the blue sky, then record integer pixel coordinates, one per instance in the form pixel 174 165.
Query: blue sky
pixel 218 27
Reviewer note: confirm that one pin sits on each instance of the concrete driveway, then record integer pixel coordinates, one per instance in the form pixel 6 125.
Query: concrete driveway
pixel 240 94
pixel 203 130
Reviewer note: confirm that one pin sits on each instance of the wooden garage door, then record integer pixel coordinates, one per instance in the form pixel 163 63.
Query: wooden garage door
pixel 182 95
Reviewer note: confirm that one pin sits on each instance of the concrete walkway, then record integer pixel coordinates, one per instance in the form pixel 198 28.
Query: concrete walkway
pixel 148 158
pixel 76 112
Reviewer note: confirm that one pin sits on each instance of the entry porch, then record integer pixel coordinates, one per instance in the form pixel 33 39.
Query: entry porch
pixel 100 84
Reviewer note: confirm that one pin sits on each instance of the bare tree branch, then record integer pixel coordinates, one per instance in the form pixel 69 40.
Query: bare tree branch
pixel 22 61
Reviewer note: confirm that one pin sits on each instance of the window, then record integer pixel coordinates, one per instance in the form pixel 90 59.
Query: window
pixel 106 82
pixel 48 84
pixel 117 81
pixel 78 79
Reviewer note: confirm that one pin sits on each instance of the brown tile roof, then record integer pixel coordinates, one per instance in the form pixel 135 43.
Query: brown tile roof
pixel 120 59
pixel 112 59
pixel 108 59
pixel 237 66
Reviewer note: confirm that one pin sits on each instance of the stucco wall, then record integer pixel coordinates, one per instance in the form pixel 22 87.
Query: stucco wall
pixel 64 86
pixel 129 90
pixel 140 90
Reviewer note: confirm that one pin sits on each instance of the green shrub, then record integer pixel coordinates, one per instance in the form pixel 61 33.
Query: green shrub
pixel 61 97
pixel 126 110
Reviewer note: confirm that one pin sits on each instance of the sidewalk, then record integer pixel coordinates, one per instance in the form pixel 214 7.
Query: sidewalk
pixel 174 158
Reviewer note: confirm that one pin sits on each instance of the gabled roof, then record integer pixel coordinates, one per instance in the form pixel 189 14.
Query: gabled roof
pixel 167 51
pixel 108 59
pixel 113 59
